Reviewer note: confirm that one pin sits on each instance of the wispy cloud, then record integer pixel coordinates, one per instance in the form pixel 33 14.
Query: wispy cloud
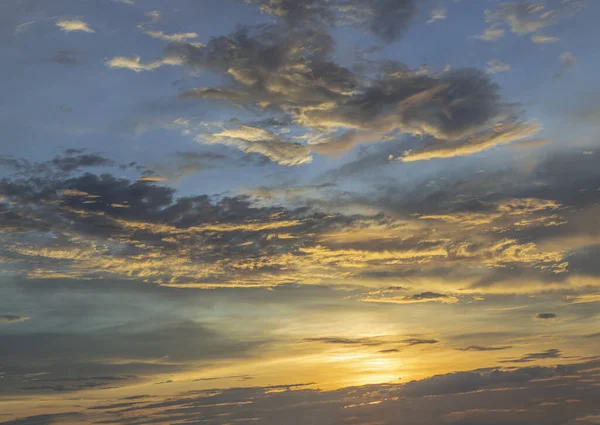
pixel 10 318
pixel 134 63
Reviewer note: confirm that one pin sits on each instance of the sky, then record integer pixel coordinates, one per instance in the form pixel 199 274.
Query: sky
pixel 358 212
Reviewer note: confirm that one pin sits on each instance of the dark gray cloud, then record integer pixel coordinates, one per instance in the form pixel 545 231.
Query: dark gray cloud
pixel 546 316
pixel 479 396
pixel 461 382
pixel 71 160
pixel 65 57
pixel 217 237
pixel 292 70
pixel 49 419
pixel 551 353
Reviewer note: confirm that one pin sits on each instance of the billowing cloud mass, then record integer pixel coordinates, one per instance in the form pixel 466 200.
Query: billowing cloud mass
pixel 336 108
pixel 358 212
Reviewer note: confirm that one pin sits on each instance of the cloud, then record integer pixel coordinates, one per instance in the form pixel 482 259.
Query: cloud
pixel 71 25
pixel 522 17
pixel 419 341
pixel 332 108
pixel 71 163
pixel 492 33
pixel 69 418
pixel 462 382
pixel 9 318
pixel 134 63
pixel 367 342
pixel 540 38
pixel 181 164
pixel 525 17
pixel 173 38
pixel 385 19
pixel 437 14
pixel 552 353
pixel 423 297
pixel 482 397
pixel 116 357
pixel 255 140
pixel 143 231
pixel 568 60
pixel 583 299
pixel 161 35
pixel 484 348
pixel 546 316
pixel 502 133
pixel 495 66
pixel 65 57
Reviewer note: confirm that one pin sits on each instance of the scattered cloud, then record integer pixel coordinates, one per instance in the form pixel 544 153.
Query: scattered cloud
pixel 155 16
pixel 492 33
pixel 134 63
pixel 173 38
pixel 567 61
pixel 65 57
pixel 437 14
pixel 541 39
pixel 495 66
pixel 73 25
pixel 526 17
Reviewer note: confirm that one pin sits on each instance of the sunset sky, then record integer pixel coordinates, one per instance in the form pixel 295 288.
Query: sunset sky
pixel 311 212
